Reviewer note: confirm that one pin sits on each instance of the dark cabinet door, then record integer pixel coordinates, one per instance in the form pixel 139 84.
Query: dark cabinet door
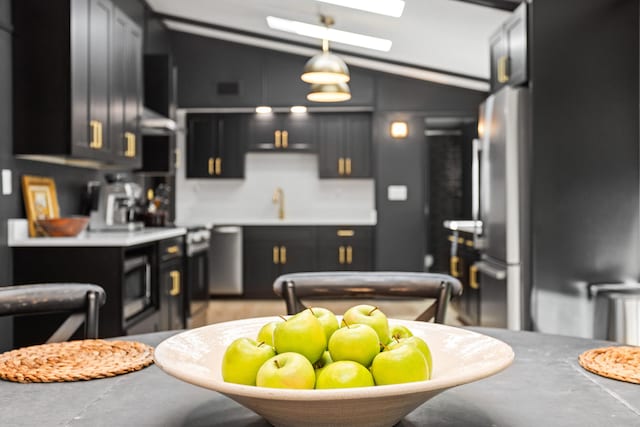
pixel 100 27
pixel 516 33
pixel 345 248
pixel 171 295
pixel 344 145
pixel 297 249
pixel 282 131
pixel 215 145
pixel 261 262
pixel 126 90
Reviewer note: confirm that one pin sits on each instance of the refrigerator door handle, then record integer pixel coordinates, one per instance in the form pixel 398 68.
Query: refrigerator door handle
pixel 489 270
pixel 475 179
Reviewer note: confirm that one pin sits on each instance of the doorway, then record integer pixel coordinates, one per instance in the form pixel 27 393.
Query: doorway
pixel 448 157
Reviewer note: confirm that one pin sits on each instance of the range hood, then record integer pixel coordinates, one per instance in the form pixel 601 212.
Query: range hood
pixel 153 123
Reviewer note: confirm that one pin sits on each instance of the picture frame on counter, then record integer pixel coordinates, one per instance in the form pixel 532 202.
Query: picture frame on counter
pixel 40 200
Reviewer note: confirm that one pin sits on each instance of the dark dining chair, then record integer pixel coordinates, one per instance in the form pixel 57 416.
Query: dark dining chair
pixel 82 300
pixel 345 285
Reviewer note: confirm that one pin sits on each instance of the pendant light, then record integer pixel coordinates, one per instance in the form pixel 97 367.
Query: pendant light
pixel 334 92
pixel 325 67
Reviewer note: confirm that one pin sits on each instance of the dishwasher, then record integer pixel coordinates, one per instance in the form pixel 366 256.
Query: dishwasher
pixel 225 261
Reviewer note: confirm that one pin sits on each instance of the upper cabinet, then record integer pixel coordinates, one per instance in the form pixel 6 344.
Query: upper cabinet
pixel 216 145
pixel 77 81
pixel 344 145
pixel 508 50
pixel 283 132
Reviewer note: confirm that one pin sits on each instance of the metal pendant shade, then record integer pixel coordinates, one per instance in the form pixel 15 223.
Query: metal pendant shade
pixel 325 68
pixel 335 92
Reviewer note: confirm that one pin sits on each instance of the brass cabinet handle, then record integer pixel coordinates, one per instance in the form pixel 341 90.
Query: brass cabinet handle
pixel 285 139
pixel 341 255
pixel 341 166
pixel 210 165
pixel 94 125
pixel 131 144
pixel 451 238
pixel 99 134
pixel 453 266
pixel 175 283
pixel 218 165
pixel 460 240
pixel 345 233
pixel 349 254
pixel 277 136
pixel 473 277
pixel 276 255
pixel 469 243
pixel 503 72
pixel 283 254
pixel 172 249
pixel 347 166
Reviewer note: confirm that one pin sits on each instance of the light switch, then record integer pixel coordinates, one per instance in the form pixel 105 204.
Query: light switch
pixel 397 192
pixel 6 182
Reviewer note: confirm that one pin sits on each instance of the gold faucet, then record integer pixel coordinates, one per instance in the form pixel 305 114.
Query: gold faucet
pixel 278 197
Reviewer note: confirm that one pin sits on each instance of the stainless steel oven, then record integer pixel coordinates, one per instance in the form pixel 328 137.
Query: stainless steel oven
pixel 136 291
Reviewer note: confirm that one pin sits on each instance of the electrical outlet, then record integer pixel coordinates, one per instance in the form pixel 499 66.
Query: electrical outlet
pixel 6 182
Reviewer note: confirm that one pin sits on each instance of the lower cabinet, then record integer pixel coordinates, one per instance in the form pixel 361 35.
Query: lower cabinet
pixel 170 284
pixel 269 251
pixel 462 259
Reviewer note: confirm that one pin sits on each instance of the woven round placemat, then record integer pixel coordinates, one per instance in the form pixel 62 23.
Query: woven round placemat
pixel 620 363
pixel 74 361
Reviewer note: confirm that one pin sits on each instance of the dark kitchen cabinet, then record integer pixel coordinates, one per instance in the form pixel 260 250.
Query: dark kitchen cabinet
pixel 216 145
pixel 126 91
pixel 462 258
pixel 160 155
pixel 171 283
pixel 344 145
pixel 283 132
pixel 508 51
pixel 271 251
pixel 344 248
pixel 66 54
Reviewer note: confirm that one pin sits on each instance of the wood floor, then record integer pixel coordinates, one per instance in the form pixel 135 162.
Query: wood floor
pixel 224 309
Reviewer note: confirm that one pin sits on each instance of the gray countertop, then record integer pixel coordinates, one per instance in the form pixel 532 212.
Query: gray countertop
pixel 544 386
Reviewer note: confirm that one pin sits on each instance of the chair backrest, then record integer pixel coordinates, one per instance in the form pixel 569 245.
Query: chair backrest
pixel 292 287
pixel 83 300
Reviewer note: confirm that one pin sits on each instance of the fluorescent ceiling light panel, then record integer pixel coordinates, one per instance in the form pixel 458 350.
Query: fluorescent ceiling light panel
pixel 383 7
pixel 321 32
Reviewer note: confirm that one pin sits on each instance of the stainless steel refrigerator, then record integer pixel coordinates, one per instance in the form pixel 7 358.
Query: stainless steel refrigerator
pixel 501 165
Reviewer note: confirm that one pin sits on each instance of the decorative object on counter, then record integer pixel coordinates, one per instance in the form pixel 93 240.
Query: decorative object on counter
pixel 40 200
pixel 79 360
pixel 158 206
pixel 620 363
pixel 119 204
pixel 61 227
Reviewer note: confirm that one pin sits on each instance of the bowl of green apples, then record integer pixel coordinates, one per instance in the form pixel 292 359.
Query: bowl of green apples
pixel 319 369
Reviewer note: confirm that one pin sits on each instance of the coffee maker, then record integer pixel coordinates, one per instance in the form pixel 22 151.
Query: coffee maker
pixel 117 207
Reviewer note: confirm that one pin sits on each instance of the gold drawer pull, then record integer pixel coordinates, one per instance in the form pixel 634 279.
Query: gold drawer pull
pixel 345 233
pixel 277 136
pixel 453 266
pixel 285 139
pixel 218 165
pixel 341 166
pixel 283 254
pixel 175 283
pixel 276 255
pixel 341 255
pixel 473 277
pixel 349 255
pixel 347 166
pixel 210 165
pixel 172 249
pixel 94 125
pixel 503 71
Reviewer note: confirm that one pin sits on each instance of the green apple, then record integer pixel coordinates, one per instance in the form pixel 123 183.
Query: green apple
pixel 265 334
pixel 322 363
pixel 418 343
pixel 402 364
pixel 357 342
pixel 343 374
pixel 243 358
pixel 399 331
pixel 368 315
pixel 286 370
pixel 302 333
pixel 328 320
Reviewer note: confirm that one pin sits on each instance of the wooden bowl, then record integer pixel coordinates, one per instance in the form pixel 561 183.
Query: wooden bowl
pixel 62 227
pixel 460 356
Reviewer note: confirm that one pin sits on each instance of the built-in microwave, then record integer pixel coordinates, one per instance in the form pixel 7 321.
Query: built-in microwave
pixel 136 290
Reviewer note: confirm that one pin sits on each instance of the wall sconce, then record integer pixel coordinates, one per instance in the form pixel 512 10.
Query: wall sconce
pixel 399 129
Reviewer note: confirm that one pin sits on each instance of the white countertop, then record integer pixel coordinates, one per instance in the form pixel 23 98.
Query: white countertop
pixel 18 237
pixel 286 221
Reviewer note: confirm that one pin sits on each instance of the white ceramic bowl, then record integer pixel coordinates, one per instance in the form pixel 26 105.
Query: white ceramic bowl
pixel 459 356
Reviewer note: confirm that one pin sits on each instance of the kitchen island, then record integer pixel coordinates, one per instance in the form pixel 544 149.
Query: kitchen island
pixel 544 386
